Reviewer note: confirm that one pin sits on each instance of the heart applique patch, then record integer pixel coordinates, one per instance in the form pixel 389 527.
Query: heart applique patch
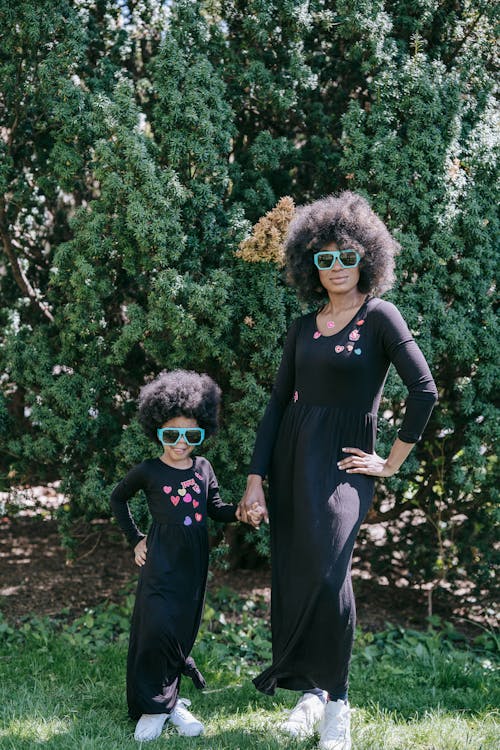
pixel 187 498
pixel 175 499
pixel 198 516
pixel 167 489
pixel 354 335
pixel 357 351
pixel 360 322
pixel 188 521
pixel 316 335
pixel 195 503
pixel 339 348
pixel 350 347
pixel 182 491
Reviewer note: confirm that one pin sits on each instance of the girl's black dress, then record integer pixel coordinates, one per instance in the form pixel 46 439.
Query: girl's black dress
pixel 172 582
pixel 326 397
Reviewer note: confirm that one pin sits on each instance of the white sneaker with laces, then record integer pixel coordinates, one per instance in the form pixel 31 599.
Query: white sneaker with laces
pixel 149 727
pixel 335 728
pixel 305 717
pixel 184 721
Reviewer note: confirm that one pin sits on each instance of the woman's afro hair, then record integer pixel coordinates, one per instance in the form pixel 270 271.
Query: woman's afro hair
pixel 179 393
pixel 348 220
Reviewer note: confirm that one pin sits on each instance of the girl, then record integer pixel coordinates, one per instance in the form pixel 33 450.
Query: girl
pixel 179 409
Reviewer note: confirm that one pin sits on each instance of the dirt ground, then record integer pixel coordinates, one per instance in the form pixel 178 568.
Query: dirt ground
pixel 36 579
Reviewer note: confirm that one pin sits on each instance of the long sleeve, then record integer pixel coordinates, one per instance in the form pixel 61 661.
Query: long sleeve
pixel 127 488
pixel 217 509
pixel 280 397
pixel 413 370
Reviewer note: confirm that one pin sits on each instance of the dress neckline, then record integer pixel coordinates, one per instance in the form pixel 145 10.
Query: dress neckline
pixel 337 333
pixel 176 468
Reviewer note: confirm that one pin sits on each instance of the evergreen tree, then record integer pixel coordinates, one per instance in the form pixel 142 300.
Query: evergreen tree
pixel 140 142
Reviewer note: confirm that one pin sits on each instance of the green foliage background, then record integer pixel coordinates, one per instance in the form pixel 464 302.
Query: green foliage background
pixel 140 141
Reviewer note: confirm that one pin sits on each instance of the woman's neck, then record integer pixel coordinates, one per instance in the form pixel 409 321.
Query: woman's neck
pixel 339 304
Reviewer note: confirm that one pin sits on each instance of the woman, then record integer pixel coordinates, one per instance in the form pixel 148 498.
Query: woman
pixel 316 442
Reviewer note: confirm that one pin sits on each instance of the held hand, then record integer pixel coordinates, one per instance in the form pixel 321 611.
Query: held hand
pixel 252 508
pixel 140 551
pixel 254 515
pixel 360 462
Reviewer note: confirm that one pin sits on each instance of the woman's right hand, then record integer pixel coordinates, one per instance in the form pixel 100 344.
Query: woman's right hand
pixel 252 499
pixel 140 551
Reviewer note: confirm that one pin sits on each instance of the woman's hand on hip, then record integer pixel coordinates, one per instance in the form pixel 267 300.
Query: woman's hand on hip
pixel 140 551
pixel 359 462
pixel 252 508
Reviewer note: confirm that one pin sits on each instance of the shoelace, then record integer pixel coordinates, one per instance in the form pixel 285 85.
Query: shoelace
pixel 337 730
pixel 300 710
pixel 181 709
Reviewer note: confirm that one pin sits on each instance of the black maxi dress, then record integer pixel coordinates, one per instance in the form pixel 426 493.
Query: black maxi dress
pixel 326 397
pixel 172 582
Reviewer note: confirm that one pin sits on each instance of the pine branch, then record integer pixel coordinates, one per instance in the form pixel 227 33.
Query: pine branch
pixel 19 276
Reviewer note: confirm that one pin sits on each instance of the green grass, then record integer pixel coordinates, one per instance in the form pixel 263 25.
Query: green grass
pixel 62 688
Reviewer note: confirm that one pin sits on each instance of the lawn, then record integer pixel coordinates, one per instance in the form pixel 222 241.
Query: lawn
pixel 62 686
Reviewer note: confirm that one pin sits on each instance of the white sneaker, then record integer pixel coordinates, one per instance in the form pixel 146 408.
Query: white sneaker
pixel 335 729
pixel 184 721
pixel 149 727
pixel 304 719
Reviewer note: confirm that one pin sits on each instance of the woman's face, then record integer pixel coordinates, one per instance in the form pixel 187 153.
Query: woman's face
pixel 338 280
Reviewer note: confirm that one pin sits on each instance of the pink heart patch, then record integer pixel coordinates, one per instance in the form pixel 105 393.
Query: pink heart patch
pixel 359 322
pixel 167 489
pixel 198 516
pixel 350 347
pixel 354 335
pixel 175 499
pixel 339 348
pixel 187 498
pixel 316 335
pixel 195 503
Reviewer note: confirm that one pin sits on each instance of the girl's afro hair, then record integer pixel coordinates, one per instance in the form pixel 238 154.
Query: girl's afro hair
pixel 179 393
pixel 348 220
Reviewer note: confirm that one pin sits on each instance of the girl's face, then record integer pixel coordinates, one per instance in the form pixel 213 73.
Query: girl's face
pixel 178 455
pixel 338 280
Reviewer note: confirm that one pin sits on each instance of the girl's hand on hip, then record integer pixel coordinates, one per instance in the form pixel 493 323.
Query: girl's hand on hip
pixel 360 462
pixel 140 551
